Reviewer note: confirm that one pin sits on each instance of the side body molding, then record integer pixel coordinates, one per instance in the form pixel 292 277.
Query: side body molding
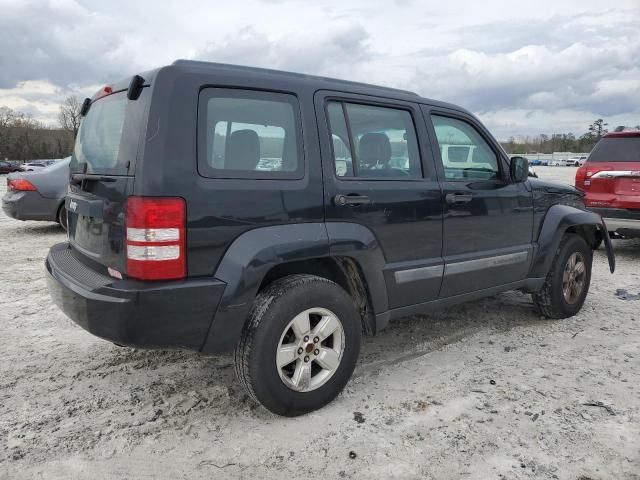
pixel 556 222
pixel 244 266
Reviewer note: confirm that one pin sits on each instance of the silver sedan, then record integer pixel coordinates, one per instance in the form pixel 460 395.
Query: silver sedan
pixel 38 195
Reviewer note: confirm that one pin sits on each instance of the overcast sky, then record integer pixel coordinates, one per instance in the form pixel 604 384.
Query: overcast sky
pixel 524 67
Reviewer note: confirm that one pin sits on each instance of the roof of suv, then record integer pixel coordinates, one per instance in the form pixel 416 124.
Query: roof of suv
pixel 322 83
pixel 624 133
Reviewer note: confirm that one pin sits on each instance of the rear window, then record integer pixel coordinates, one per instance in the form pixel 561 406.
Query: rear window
pixel 620 149
pixel 107 141
pixel 249 134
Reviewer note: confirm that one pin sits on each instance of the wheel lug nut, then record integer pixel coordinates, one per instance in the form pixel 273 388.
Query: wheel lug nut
pixel 306 359
pixel 316 352
pixel 316 340
pixel 300 350
pixel 306 339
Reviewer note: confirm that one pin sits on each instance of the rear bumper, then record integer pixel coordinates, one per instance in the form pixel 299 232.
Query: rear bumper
pixel 174 314
pixel 620 220
pixel 615 224
pixel 30 205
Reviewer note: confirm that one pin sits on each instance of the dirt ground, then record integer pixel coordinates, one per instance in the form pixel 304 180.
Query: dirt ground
pixel 487 390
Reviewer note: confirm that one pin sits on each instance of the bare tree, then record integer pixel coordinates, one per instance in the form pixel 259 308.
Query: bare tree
pixel 69 116
pixel 6 121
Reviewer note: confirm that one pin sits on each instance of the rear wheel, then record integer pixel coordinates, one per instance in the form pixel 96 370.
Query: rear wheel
pixel 300 345
pixel 567 282
pixel 61 217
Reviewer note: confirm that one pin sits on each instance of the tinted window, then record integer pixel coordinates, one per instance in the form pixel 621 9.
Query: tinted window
pixel 340 138
pixel 107 140
pixel 620 149
pixel 249 135
pixel 465 154
pixel 383 141
pixel 342 156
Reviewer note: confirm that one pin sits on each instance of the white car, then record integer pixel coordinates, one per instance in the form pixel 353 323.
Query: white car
pixel 35 166
pixel 576 161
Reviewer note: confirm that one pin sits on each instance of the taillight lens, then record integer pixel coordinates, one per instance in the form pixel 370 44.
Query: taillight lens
pixel 581 174
pixel 156 238
pixel 21 185
pixel 585 174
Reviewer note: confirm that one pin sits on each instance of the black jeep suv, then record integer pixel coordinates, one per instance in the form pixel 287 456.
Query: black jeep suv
pixel 215 207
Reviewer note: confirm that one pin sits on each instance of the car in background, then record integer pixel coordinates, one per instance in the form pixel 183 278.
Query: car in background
pixel 536 162
pixel 8 167
pixel 32 166
pixel 37 165
pixel 565 162
pixel 610 180
pixel 576 161
pixel 38 195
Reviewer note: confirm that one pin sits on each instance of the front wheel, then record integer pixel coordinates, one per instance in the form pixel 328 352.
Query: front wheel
pixel 300 344
pixel 567 283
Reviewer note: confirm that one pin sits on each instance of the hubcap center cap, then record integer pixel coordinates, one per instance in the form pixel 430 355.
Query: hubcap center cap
pixel 309 348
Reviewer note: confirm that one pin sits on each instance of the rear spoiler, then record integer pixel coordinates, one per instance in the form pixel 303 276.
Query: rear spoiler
pixel 133 92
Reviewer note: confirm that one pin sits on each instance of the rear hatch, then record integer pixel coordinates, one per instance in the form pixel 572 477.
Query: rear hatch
pixel 611 176
pixel 102 173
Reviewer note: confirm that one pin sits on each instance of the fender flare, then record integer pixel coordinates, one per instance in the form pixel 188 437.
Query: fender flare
pixel 254 253
pixel 359 242
pixel 557 221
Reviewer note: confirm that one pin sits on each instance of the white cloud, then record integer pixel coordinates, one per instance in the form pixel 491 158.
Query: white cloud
pixel 525 67
pixel 328 50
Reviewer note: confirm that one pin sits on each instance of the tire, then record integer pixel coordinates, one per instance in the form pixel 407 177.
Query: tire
pixel 61 217
pixel 552 300
pixel 271 327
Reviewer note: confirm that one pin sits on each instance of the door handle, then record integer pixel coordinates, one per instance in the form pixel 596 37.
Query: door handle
pixel 351 199
pixel 458 198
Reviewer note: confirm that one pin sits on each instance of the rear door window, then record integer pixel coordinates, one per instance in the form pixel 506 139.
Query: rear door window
pixel 382 140
pixel 249 134
pixel 616 149
pixel 107 141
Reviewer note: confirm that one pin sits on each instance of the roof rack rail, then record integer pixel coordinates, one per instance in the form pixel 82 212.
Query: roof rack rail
pixel 228 66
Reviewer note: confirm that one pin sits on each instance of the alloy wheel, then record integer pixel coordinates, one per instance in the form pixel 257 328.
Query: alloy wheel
pixel 310 349
pixel 574 278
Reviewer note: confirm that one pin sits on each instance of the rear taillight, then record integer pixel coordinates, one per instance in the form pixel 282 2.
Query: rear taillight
pixel 156 238
pixel 584 175
pixel 581 174
pixel 21 185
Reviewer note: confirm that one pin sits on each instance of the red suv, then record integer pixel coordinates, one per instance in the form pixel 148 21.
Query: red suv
pixel 610 179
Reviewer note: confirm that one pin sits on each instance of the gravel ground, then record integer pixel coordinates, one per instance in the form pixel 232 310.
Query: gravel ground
pixel 481 391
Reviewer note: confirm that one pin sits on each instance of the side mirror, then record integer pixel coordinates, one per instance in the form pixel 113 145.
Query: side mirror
pixel 519 169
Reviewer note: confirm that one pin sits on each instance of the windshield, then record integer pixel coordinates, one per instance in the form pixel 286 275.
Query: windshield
pixel 107 141
pixel 620 149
